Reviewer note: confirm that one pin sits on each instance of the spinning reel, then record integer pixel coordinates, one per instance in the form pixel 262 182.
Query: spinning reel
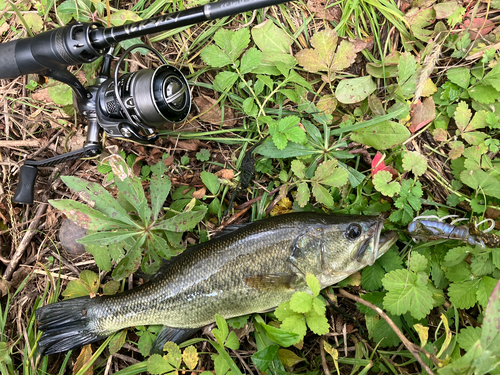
pixel 131 106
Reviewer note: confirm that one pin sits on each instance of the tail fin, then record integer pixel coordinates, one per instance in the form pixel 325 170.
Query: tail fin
pixel 65 326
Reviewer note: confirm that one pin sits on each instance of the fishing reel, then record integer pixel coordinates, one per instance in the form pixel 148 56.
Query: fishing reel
pixel 130 107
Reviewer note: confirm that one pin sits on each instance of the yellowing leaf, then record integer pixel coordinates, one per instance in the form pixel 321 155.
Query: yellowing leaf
pixel 82 360
pixel 344 57
pixel 289 358
pixel 354 90
pixel 190 357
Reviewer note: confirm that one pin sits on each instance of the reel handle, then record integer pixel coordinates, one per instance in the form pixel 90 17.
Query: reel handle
pixel 25 191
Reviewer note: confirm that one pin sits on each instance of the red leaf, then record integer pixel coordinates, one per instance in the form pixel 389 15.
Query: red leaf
pixel 422 113
pixel 379 165
pixel 478 26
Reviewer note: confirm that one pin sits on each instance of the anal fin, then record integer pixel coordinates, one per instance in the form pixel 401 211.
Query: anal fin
pixel 177 335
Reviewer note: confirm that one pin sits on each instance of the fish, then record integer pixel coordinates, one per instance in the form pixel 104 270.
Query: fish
pixel 250 269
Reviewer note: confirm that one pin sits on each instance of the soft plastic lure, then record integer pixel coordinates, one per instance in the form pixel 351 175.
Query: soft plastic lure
pixel 428 228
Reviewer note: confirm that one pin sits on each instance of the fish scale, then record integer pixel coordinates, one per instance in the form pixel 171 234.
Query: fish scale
pixel 248 270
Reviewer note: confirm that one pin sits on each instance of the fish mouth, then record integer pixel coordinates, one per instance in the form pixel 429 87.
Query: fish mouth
pixel 382 242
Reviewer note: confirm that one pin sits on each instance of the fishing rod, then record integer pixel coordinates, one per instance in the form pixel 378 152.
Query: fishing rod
pixel 130 107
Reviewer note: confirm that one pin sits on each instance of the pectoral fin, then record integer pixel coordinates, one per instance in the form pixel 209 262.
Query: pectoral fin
pixel 177 335
pixel 271 281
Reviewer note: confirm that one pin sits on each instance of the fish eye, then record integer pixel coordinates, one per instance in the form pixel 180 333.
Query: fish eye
pixel 353 231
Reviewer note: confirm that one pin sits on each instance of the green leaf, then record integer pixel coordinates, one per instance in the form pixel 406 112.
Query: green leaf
pixel 223 329
pixel 481 181
pixel 415 162
pixel 279 335
pixel 405 294
pixel 301 302
pixel 313 284
pixel 303 194
pixel 481 265
pixel 86 217
pixel 485 289
pixel 215 57
pixel 211 181
pixel 417 262
pixel 407 67
pixel 463 295
pixel 117 341
pixel 232 341
pixel 468 336
pixel 107 238
pixel 250 60
pixel 233 43
pixel 102 199
pixel 182 222
pixel 225 80
pixel 484 94
pixel 111 288
pixel 462 116
pixel 493 77
pixel 382 182
pixel 322 195
pixel 75 289
pixel 34 21
pixel 382 136
pixel 130 262
pixel 270 38
pixel 354 90
pixel 264 357
pixel 158 365
pixel 159 188
pixel 60 93
pixel 459 76
pixel 371 277
pixel 249 107
pixel 292 150
pixel 384 334
pixel 101 256
pixel 455 256
pixel 298 168
pixel 318 323
pixel 490 336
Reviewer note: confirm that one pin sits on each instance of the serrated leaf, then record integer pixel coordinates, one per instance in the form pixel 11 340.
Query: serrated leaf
pixel 320 57
pixel 75 289
pixel 417 262
pixel 481 265
pixel 354 90
pixel 318 323
pixel 382 136
pixel 233 43
pixel 111 288
pixel 407 67
pixel 182 222
pixel 86 217
pixel 484 94
pixel 478 121
pixel 173 356
pixel 303 194
pixel 383 333
pixel 211 181
pixel 298 168
pixel 301 302
pixel 83 360
pixel 250 60
pixel 463 295
pixel 101 256
pixel 344 56
pixel 490 335
pixel 60 93
pixel 371 277
pixel 322 195
pixel 107 238
pixel 493 77
pixel 404 294
pixel 468 337
pixel 481 181
pixel 129 263
pixel 415 162
pixel 159 188
pixel 485 289
pixel 455 256
pixel 313 284
pixel 102 199
pixel 459 76
pixel 383 183
pixel 270 38
pixel 264 357
pixel 223 328
pixel 225 80
pixel 462 116
pixel 215 57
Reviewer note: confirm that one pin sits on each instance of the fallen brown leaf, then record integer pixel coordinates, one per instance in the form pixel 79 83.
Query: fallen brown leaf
pixel 227 174
pixel 211 112
pixel 422 113
pixel 325 10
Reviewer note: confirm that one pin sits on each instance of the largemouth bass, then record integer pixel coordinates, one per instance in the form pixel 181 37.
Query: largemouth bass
pixel 251 269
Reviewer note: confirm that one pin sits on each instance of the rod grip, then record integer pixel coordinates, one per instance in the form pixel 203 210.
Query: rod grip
pixel 25 191
pixel 9 67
